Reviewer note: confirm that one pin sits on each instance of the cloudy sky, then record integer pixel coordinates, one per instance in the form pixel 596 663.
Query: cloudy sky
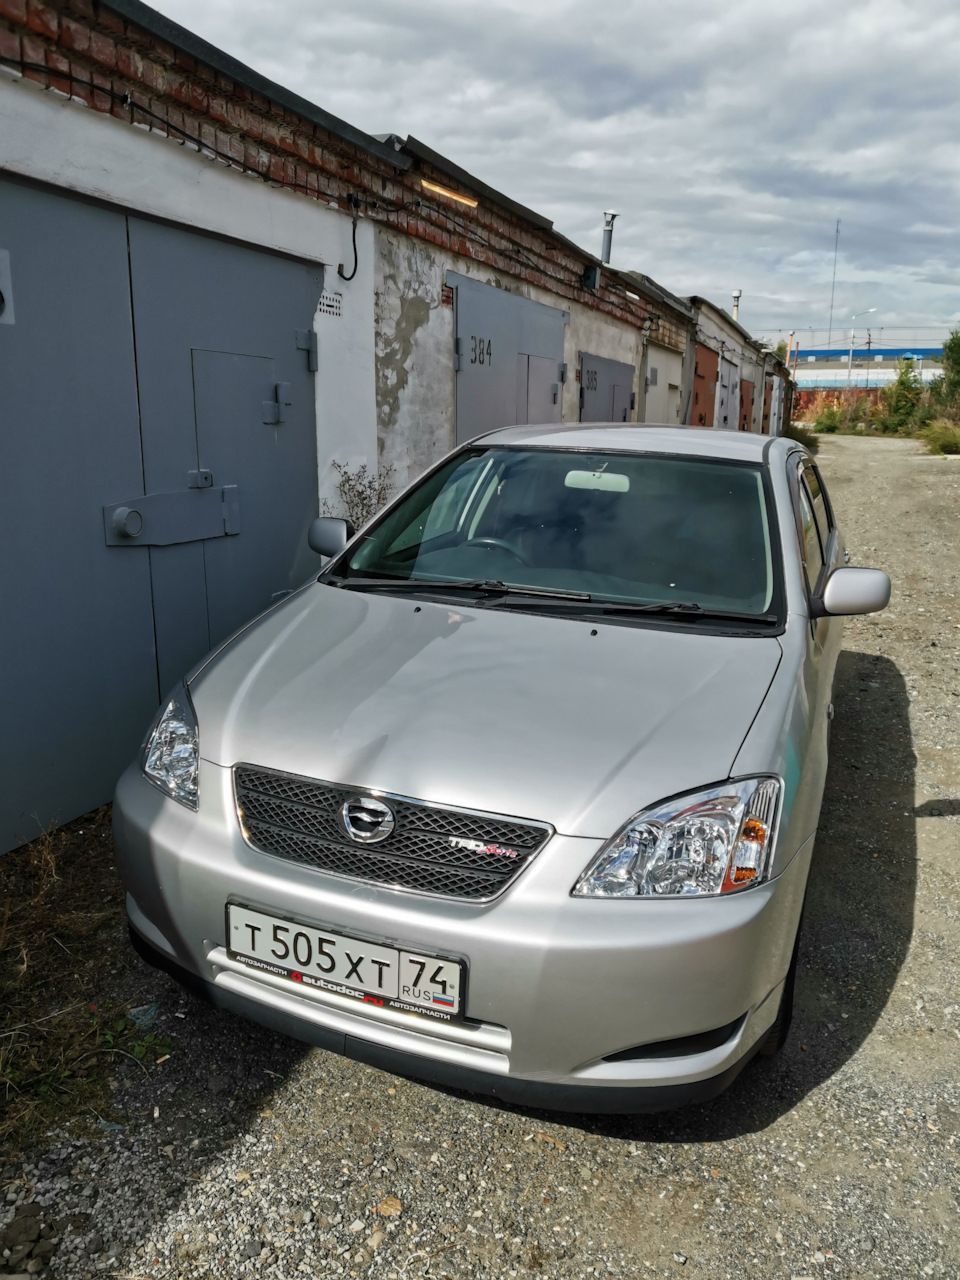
pixel 730 137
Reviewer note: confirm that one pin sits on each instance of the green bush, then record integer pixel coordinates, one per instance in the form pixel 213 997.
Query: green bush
pixel 949 384
pixel 899 410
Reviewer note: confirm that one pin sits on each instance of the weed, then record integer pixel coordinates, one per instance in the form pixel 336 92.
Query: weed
pixel 65 1031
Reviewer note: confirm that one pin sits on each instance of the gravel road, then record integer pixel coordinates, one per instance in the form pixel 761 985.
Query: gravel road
pixel 246 1154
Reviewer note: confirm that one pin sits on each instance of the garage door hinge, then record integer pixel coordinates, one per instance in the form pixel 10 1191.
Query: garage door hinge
pixel 307 341
pixel 456 358
pixel 274 410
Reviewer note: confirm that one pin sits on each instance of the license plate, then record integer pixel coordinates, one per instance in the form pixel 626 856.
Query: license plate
pixel 328 960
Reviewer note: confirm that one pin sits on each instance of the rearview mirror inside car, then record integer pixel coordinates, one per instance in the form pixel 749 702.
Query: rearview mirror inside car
pixel 328 536
pixel 849 591
pixel 610 481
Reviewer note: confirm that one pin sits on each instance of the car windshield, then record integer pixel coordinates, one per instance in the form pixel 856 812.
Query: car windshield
pixel 622 528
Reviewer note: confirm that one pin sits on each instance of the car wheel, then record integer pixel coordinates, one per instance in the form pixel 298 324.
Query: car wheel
pixel 776 1037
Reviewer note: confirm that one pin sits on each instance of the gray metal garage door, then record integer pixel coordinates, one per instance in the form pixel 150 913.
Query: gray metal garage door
pixel 158 469
pixel 606 389
pixel 728 396
pixel 509 358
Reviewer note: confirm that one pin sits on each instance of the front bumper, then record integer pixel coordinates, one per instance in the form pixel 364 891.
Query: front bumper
pixel 556 985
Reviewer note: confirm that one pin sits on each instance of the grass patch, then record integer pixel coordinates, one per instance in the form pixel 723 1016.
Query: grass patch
pixel 942 436
pixel 65 964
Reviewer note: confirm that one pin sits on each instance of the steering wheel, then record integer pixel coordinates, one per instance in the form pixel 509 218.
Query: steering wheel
pixel 500 544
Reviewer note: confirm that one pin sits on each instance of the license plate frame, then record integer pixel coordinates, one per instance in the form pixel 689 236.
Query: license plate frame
pixel 431 1000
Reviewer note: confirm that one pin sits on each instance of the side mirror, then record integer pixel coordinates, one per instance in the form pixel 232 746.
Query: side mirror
pixel 328 536
pixel 850 591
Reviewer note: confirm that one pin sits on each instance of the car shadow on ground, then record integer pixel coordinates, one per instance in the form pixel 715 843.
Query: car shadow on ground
pixel 858 919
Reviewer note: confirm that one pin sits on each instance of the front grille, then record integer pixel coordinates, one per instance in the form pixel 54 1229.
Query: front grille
pixel 299 819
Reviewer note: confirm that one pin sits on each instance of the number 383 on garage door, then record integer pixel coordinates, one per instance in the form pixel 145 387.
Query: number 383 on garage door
pixel 329 961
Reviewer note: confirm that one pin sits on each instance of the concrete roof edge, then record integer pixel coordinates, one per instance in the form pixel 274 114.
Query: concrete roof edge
pixel 698 302
pixel 165 29
pixel 646 284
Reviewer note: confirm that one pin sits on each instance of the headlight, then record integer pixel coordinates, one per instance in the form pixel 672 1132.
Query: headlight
pixel 171 753
pixel 711 842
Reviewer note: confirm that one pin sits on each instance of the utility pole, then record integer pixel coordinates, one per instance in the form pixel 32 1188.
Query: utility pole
pixel 869 311
pixel 833 287
pixel 737 294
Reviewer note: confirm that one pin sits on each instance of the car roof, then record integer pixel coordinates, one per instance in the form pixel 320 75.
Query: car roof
pixel 701 442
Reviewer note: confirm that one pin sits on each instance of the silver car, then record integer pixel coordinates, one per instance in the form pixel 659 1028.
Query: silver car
pixel 519 794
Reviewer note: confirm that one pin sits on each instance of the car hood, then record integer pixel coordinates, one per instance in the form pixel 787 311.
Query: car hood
pixel 576 723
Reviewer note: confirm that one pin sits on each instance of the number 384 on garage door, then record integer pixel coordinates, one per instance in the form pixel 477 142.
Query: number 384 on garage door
pixel 327 960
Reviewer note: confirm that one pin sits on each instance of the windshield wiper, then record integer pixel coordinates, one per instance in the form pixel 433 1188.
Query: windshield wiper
pixel 494 588
pixel 681 608
pixel 486 586
pixel 688 608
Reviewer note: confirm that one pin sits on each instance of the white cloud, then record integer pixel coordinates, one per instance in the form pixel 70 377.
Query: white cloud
pixel 730 138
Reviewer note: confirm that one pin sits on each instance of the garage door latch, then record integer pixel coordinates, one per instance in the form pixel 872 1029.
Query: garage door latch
pixel 164 519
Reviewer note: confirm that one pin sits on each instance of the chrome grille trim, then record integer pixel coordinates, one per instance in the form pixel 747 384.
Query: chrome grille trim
pixel 296 818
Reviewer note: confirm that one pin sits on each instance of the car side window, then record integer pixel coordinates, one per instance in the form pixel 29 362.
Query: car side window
pixel 812 547
pixel 821 510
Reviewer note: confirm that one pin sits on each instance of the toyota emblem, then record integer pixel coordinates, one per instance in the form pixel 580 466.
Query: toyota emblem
pixel 366 819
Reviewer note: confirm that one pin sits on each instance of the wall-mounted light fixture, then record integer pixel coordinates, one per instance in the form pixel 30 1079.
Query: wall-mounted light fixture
pixel 448 194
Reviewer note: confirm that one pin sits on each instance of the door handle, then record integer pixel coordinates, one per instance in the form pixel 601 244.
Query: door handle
pixel 127 522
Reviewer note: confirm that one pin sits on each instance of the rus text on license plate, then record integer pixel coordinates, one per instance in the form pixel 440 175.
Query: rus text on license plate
pixel 331 961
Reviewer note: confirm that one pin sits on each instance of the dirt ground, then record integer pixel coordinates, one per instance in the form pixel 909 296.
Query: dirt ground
pixel 243 1152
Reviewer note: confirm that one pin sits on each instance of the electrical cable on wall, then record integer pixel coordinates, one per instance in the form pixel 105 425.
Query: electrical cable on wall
pixel 506 246
pixel 340 271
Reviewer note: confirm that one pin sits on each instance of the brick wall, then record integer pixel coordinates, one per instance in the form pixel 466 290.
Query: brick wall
pixel 87 51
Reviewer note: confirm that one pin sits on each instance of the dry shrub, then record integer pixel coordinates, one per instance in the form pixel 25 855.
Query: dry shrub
pixel 360 493
pixel 815 406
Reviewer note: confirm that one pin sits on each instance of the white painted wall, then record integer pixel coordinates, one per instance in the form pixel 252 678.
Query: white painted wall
pixel 54 139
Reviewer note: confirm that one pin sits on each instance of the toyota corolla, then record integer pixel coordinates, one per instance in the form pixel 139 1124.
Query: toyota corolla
pixel 519 794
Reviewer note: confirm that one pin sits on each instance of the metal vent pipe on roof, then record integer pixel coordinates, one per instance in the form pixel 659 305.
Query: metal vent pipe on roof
pixel 609 217
pixel 736 303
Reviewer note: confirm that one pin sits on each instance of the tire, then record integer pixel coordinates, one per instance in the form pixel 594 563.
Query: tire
pixel 776 1036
